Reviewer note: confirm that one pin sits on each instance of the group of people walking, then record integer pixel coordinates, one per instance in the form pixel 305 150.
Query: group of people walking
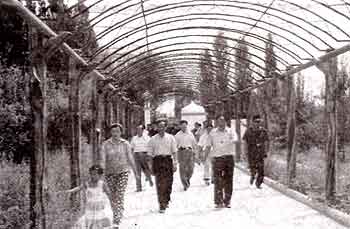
pixel 160 155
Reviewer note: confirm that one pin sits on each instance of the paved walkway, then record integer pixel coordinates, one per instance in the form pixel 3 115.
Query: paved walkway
pixel 251 208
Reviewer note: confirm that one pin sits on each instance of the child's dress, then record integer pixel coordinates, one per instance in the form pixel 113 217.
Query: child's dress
pixel 98 211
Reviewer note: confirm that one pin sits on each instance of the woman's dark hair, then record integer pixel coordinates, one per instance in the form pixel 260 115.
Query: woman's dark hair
pixel 142 126
pixel 183 121
pixel 255 117
pixel 219 116
pixel 96 168
pixel 115 125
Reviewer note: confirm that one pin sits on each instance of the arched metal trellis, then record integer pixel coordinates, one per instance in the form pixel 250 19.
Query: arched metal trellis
pixel 168 40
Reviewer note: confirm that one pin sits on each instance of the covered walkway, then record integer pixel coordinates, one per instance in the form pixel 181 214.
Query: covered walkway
pixel 216 51
pixel 251 208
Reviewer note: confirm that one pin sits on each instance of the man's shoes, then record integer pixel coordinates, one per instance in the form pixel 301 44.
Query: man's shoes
pixel 162 211
pixel 251 180
pixel 218 206
pixel 258 187
pixel 227 205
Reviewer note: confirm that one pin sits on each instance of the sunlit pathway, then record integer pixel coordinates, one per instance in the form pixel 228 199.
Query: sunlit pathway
pixel 251 208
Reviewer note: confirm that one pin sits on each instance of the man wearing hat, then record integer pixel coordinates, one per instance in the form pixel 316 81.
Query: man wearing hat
pixel 255 145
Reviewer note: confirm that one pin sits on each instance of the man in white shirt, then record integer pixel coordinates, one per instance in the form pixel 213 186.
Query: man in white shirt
pixel 139 146
pixel 162 147
pixel 222 143
pixel 186 144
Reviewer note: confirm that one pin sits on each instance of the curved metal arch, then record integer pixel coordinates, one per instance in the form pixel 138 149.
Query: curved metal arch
pixel 171 69
pixel 322 18
pixel 195 63
pixel 155 24
pixel 278 59
pixel 175 84
pixel 278 46
pixel 185 55
pixel 171 91
pixel 146 71
pixel 226 29
pixel 162 52
pixel 258 37
pixel 177 5
pixel 288 52
pixel 170 74
pixel 249 44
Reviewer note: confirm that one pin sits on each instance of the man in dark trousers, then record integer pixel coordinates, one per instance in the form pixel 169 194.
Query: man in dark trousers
pixel 162 147
pixel 221 148
pixel 255 145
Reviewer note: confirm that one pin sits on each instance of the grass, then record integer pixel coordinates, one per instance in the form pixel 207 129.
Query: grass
pixel 14 191
pixel 311 173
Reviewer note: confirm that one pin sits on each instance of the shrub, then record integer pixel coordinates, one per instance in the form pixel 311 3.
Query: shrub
pixel 14 198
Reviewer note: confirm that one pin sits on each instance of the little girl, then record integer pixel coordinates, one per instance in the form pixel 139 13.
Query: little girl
pixel 98 212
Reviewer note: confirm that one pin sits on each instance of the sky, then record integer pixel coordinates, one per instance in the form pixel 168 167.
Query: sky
pixel 300 34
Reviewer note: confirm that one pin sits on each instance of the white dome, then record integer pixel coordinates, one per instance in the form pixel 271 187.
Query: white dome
pixel 192 108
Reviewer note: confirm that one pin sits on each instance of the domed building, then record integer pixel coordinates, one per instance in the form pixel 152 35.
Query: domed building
pixel 193 113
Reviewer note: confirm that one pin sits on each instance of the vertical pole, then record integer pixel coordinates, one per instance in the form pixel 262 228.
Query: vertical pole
pixel 108 112
pixel 329 68
pixel 75 122
pixel 116 109
pixel 291 123
pixel 39 109
pixel 238 128
pixel 94 122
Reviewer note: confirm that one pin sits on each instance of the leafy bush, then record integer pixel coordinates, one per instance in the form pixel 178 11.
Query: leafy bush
pixel 15 119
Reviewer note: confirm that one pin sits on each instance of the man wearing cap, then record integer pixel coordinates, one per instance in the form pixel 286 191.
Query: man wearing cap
pixel 162 147
pixel 221 148
pixel 255 145
pixel 186 144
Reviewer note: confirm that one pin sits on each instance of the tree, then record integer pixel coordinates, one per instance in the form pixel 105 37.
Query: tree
pixel 14 37
pixel 269 91
pixel 242 81
pixel 207 79
pixel 222 66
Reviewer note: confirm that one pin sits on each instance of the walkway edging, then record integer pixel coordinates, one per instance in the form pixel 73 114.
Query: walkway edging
pixel 334 214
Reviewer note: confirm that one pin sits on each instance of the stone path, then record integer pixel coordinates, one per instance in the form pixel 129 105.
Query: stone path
pixel 251 208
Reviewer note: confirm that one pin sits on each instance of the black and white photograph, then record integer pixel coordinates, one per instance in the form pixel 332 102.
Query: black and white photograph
pixel 174 114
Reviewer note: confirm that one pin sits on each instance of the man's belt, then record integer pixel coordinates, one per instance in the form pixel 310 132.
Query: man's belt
pixel 184 148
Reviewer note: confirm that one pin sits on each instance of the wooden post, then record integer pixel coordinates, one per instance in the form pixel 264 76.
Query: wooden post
pixel 115 106
pixel 39 108
pixel 127 121
pixel 75 129
pixel 95 128
pixel 108 113
pixel 291 123
pixel 329 68
pixel 238 129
